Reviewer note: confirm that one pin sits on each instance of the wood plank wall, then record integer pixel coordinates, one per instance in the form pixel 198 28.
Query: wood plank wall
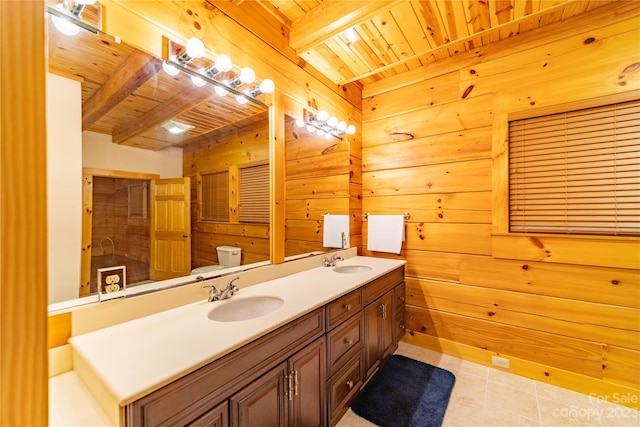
pixel 317 183
pixel 23 220
pixel 428 137
pixel 226 150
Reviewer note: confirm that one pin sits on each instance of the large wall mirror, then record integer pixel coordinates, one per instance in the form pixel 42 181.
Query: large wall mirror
pixel 136 154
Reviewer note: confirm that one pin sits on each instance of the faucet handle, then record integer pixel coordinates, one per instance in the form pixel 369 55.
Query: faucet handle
pixel 233 288
pixel 214 295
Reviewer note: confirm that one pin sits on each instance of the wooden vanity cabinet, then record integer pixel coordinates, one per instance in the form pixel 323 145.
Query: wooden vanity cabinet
pixel 304 374
pixel 198 395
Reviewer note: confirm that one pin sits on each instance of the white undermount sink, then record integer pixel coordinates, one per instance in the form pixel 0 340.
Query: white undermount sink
pixel 351 269
pixel 245 308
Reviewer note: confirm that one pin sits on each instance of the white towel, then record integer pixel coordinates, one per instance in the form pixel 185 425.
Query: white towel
pixel 335 232
pixel 385 233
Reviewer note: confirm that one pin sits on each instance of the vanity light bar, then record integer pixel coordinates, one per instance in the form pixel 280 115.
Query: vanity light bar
pixel 180 62
pixel 323 125
pixel 71 19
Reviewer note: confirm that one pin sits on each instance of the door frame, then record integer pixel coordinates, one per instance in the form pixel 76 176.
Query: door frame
pixel 87 216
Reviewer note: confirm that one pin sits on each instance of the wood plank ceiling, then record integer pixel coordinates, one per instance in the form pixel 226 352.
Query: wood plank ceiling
pixel 124 94
pixel 366 41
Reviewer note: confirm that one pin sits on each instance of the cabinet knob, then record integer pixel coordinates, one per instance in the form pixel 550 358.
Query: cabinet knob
pixel 350 384
pixel 401 326
pixel 347 307
pixel 401 299
pixel 348 341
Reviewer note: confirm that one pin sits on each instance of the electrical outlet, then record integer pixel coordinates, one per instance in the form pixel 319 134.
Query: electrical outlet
pixel 500 361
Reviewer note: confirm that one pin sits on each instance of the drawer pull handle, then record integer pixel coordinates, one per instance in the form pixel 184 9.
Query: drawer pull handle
pixel 348 341
pixel 350 384
pixel 347 307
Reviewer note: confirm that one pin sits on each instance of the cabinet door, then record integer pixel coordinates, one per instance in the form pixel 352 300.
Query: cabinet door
pixel 379 333
pixel 307 402
pixel 216 417
pixel 387 331
pixel 263 402
pixel 371 341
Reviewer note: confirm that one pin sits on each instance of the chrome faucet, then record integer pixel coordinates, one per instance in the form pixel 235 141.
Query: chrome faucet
pixel 228 292
pixel 331 262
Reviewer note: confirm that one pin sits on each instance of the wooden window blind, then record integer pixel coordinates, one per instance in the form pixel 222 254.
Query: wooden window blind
pixel 214 191
pixel 576 172
pixel 253 194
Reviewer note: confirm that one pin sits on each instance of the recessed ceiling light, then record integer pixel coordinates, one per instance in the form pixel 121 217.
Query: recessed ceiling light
pixel 176 128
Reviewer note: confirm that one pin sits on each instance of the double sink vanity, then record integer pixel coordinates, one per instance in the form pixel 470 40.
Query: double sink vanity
pixel 294 350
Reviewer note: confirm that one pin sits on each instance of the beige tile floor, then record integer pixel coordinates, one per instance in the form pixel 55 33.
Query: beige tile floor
pixel 484 397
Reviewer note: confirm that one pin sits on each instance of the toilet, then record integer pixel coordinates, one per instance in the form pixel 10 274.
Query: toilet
pixel 228 256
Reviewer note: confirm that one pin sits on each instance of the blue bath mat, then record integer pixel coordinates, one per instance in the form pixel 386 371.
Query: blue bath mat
pixel 405 393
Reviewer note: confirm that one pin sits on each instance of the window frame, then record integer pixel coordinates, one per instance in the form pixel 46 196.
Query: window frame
pixel 606 251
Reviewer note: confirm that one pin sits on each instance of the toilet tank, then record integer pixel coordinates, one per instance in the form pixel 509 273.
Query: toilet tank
pixel 229 256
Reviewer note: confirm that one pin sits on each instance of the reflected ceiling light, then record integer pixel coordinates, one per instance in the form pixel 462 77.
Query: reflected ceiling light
pixel 323 125
pixel 71 10
pixel 246 76
pixel 220 91
pixel 194 49
pixel 351 35
pixel 176 128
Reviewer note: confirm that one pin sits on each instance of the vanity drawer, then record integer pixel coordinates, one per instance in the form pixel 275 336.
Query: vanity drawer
pixel 381 285
pixel 344 342
pixel 343 308
pixel 342 389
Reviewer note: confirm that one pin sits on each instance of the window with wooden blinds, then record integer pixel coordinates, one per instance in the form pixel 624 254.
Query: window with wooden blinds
pixel 576 172
pixel 253 199
pixel 214 191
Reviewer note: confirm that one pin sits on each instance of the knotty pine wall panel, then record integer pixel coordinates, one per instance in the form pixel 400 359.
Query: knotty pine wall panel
pixel 317 181
pixel 227 148
pixel 433 160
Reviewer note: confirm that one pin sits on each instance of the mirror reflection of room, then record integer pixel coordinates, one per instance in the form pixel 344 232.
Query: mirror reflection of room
pixel 123 125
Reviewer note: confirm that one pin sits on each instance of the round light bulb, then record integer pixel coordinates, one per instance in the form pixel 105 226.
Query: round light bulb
pixel 195 48
pixel 247 75
pixel 197 81
pixel 220 91
pixel 322 116
pixel 223 63
pixel 342 126
pixel 85 2
pixel 240 99
pixel 299 123
pixel 170 69
pixel 63 25
pixel 328 135
pixel 333 121
pixel 319 132
pixel 267 86
pixel 351 129
pixel 310 128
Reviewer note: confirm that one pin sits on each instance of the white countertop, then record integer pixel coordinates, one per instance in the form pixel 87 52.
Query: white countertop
pixel 135 358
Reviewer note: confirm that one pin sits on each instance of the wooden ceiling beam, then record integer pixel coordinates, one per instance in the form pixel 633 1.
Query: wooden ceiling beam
pixel 331 18
pixel 133 73
pixel 180 103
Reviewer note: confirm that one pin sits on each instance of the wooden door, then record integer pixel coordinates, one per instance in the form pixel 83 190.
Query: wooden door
pixel 307 405
pixel 170 228
pixel 263 402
